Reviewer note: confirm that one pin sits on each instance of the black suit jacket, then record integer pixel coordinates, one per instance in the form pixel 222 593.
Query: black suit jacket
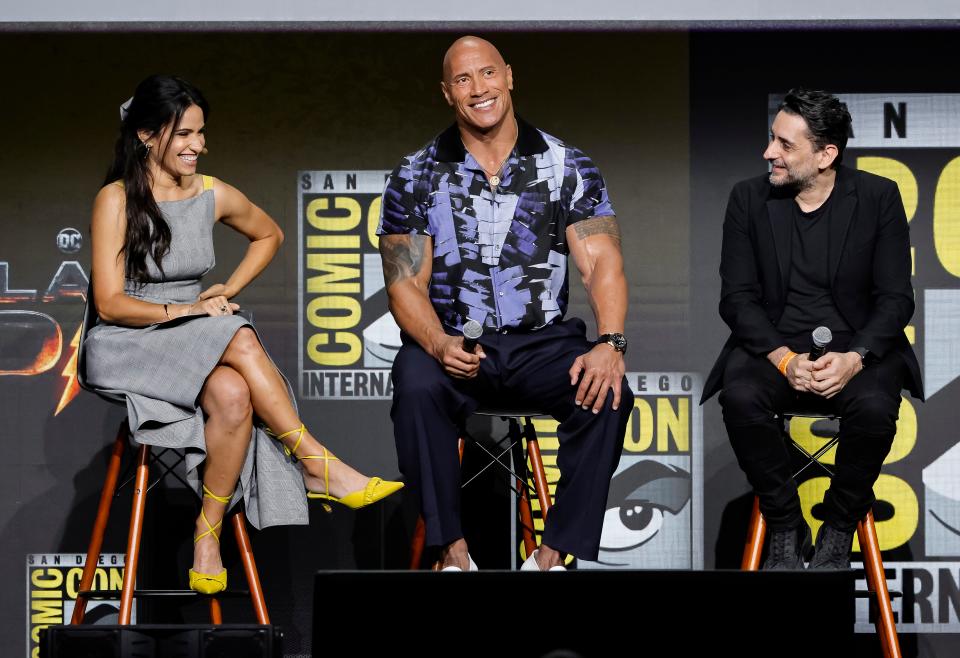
pixel 868 256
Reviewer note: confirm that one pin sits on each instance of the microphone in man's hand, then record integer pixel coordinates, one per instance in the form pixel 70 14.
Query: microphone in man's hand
pixel 821 339
pixel 472 330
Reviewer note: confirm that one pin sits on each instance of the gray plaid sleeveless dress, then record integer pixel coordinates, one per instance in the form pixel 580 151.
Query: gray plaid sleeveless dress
pixel 160 369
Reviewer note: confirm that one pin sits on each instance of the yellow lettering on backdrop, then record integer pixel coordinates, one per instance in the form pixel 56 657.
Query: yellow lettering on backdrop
pixel 670 423
pixel 345 320
pixel 46 578
pixel 907 182
pixel 336 272
pixel 45 612
pixel 73 581
pixel 898 529
pixel 334 222
pixel 946 217
pixel 811 493
pixel 906 436
pixel 802 431
pixel 897 172
pixel 639 434
pixel 892 532
pixel 373 220
pixel 675 423
pixel 333 241
pixel 317 354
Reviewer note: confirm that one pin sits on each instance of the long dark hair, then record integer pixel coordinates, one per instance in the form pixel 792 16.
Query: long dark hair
pixel 159 100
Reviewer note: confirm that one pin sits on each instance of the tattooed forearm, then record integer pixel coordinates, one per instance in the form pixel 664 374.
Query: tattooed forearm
pixel 402 256
pixel 598 226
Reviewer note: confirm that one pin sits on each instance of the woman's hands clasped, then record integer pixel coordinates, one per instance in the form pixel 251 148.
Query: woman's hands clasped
pixel 213 301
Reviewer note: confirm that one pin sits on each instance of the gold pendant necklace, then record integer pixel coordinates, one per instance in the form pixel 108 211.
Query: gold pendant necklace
pixel 495 179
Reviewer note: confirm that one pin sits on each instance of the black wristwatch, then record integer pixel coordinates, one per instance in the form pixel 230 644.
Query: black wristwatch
pixel 864 355
pixel 616 341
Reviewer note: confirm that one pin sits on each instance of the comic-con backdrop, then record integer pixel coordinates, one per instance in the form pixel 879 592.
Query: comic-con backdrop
pixel 306 125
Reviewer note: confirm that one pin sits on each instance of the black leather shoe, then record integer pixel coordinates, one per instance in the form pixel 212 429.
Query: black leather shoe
pixel 833 548
pixel 787 548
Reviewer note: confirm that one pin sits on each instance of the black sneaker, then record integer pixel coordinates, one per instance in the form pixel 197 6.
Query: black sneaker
pixel 833 548
pixel 787 548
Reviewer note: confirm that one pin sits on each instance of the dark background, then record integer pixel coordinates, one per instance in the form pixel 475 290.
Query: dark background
pixel 673 120
pixel 282 103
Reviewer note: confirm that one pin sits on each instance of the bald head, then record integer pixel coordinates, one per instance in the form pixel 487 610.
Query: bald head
pixel 476 84
pixel 469 47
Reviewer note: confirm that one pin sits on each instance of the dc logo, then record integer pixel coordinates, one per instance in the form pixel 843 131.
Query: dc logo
pixel 69 240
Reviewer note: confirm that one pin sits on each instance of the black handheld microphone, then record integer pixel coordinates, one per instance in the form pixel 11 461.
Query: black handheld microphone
pixel 821 338
pixel 472 330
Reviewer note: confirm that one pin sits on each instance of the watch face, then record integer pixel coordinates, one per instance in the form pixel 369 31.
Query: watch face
pixel 618 341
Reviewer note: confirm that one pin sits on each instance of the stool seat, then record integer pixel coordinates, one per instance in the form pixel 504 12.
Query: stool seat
pixel 510 412
pixel 792 413
pixel 163 593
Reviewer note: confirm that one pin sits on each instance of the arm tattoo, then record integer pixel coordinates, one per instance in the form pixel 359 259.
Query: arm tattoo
pixel 402 256
pixel 598 226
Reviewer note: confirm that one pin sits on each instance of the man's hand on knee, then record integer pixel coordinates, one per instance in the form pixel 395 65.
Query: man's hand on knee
pixel 602 369
pixel 456 361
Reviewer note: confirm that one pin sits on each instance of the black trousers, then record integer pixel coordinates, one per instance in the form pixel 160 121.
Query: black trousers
pixel 522 370
pixel 754 392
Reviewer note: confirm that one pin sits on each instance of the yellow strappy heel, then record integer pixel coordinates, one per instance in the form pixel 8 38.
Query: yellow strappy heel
pixel 203 582
pixel 376 489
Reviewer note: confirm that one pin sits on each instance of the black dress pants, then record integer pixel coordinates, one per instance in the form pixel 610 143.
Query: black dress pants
pixel 754 393
pixel 522 370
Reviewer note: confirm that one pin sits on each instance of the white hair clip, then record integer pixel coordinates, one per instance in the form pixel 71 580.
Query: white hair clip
pixel 125 108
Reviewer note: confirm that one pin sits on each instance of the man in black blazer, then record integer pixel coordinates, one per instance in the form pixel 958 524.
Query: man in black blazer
pixel 813 244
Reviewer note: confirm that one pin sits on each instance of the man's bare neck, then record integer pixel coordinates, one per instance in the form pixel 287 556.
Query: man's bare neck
pixel 490 148
pixel 816 195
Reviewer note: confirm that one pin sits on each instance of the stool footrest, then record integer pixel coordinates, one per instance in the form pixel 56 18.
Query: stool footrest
pixel 867 594
pixel 156 593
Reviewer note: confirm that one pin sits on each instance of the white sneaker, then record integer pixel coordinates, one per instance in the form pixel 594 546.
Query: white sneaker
pixel 472 567
pixel 531 564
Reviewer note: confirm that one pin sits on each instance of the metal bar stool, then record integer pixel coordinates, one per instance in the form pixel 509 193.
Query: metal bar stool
pixel 514 440
pixel 144 459
pixel 866 532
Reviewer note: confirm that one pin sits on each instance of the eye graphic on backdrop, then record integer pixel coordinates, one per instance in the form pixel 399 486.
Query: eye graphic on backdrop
pixel 638 523
pixel 641 498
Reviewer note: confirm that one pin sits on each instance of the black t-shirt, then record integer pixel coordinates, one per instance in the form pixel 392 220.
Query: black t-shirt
pixel 809 303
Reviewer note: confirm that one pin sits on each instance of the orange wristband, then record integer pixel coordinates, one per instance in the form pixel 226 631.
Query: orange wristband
pixel 785 361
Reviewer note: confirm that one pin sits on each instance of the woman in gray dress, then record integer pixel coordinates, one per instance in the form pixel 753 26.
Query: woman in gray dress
pixel 193 373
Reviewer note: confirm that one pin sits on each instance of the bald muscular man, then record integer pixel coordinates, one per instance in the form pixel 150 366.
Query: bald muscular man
pixel 477 225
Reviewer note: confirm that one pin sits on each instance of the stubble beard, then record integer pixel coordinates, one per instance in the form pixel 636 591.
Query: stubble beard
pixel 790 181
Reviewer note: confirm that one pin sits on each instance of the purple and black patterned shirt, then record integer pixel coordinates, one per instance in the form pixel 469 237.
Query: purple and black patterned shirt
pixel 499 255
